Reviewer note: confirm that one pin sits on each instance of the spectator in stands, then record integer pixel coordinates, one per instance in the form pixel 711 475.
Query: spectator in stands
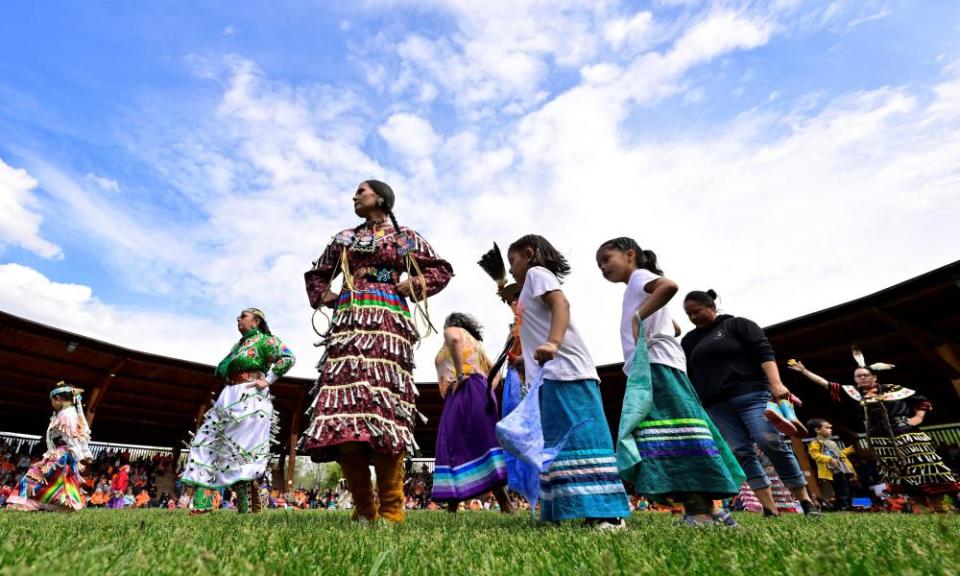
pixel 24 463
pixel 98 499
pixel 118 487
pixel 129 500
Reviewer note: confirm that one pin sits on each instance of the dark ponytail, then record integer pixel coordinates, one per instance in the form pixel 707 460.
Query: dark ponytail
pixel 387 199
pixel 544 254
pixel 646 259
pixel 708 298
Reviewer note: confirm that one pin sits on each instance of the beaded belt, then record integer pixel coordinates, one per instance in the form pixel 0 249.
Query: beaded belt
pixel 375 274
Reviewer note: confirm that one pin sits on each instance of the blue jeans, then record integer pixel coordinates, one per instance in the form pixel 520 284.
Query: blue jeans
pixel 741 422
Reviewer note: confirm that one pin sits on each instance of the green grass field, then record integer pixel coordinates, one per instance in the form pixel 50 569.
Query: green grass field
pixel 106 542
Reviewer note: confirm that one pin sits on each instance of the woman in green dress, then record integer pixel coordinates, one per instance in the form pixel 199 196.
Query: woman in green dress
pixel 232 447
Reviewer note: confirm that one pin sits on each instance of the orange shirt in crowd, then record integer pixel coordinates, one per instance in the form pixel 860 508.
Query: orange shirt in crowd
pixel 142 499
pixel 98 498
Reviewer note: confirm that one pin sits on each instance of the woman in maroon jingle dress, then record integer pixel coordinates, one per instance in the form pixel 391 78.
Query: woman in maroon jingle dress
pixel 364 406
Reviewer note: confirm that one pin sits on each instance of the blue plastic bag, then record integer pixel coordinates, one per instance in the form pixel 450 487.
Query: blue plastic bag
pixel 521 434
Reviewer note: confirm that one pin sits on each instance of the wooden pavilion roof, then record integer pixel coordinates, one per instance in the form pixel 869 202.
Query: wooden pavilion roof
pixel 139 398
pixel 131 396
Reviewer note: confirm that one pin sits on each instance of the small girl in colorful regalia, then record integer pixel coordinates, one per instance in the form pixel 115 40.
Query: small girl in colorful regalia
pixel 582 481
pixel 54 482
pixel 668 447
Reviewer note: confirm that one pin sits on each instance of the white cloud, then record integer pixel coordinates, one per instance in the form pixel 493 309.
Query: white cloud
pixel 106 184
pixel 502 52
pixel 831 12
pixel 633 31
pixel 410 135
pixel 830 200
pixel 19 220
pixel 869 18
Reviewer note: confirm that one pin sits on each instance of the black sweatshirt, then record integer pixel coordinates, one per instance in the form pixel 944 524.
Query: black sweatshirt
pixel 723 360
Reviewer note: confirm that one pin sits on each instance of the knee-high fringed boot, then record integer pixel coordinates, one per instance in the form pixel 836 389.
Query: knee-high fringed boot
pixel 356 470
pixel 390 485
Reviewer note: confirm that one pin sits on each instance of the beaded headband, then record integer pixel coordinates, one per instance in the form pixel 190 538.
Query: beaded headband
pixel 256 312
pixel 64 388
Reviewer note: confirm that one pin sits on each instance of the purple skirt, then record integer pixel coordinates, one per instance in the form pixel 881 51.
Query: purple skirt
pixel 469 460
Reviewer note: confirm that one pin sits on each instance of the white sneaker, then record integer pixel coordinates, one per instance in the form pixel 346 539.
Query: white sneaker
pixel 610 525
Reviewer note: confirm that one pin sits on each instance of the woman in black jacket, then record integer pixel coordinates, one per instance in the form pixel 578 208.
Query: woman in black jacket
pixel 733 369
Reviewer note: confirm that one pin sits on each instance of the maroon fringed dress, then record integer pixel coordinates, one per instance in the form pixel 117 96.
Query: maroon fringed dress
pixel 365 391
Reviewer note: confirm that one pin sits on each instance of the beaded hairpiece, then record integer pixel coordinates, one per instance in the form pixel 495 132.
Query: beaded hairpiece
pixel 256 312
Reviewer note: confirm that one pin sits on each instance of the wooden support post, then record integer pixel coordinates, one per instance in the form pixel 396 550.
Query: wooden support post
pixel 803 457
pixel 292 443
pixel 98 392
pixel 205 404
pixel 282 475
pixel 175 463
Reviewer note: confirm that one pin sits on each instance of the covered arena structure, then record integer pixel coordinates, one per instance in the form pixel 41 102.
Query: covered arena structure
pixel 137 398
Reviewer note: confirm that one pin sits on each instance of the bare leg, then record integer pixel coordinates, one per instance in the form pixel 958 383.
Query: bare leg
pixel 765 496
pixel 500 493
pixel 800 493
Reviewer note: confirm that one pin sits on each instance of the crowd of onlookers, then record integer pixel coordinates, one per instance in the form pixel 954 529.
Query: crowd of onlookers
pixel 116 480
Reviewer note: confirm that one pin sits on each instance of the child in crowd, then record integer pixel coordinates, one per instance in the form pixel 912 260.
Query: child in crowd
pixel 833 463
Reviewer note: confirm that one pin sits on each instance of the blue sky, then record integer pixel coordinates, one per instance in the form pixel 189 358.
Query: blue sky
pixel 166 164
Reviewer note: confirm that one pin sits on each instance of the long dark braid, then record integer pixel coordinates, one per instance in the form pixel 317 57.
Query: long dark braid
pixel 393 219
pixel 387 198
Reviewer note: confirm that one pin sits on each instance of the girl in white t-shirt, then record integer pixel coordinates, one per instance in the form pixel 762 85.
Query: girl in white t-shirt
pixel 582 482
pixel 667 447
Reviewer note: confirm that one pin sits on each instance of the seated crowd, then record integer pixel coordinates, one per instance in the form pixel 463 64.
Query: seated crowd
pixel 114 480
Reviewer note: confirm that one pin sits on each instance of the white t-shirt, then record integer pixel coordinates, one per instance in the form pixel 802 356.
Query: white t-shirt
pixel 662 346
pixel 572 361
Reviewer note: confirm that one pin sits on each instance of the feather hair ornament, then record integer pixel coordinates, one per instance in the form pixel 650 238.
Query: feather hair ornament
pixel 861 362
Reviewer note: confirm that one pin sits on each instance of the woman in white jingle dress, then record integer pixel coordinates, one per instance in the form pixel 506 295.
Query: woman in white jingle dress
pixel 232 447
